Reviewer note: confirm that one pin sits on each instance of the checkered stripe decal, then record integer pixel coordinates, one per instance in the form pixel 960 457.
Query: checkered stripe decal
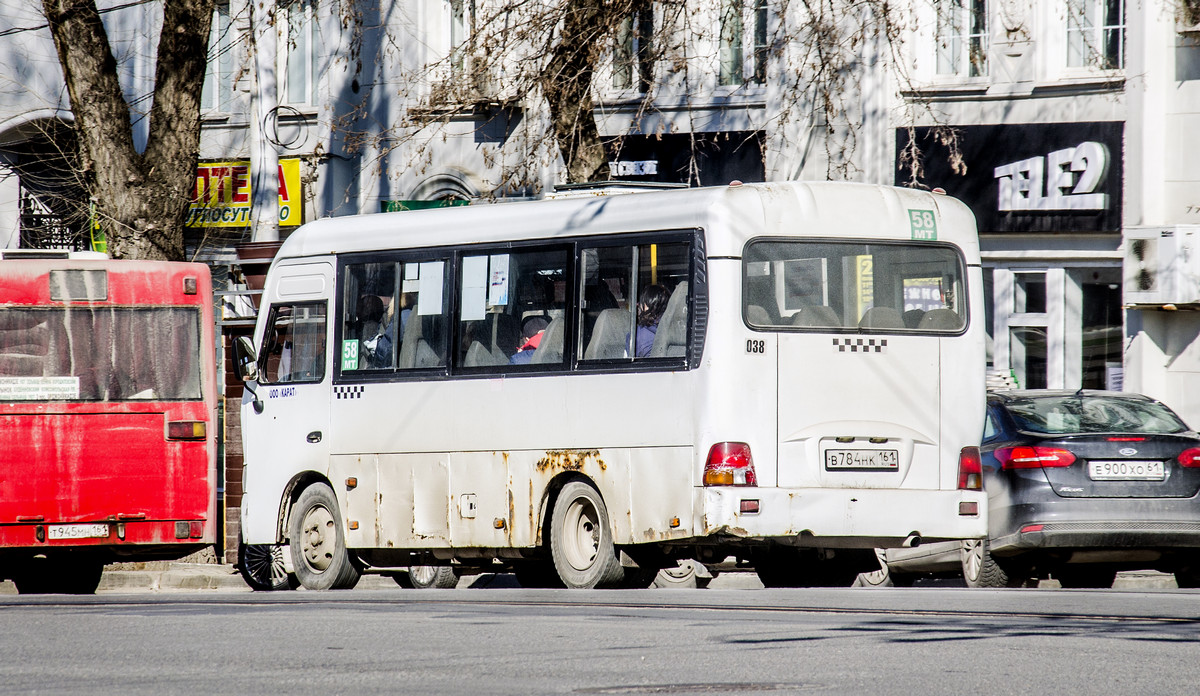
pixel 354 392
pixel 860 345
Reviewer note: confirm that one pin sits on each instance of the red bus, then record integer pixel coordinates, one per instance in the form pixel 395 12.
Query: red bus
pixel 108 402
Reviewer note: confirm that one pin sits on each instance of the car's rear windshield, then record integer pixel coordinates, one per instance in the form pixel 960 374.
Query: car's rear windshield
pixel 1055 415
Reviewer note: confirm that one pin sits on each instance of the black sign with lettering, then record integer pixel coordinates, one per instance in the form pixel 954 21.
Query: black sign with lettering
pixel 1045 177
pixel 698 159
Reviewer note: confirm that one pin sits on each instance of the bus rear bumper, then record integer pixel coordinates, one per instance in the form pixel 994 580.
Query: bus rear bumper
pixel 114 536
pixel 841 518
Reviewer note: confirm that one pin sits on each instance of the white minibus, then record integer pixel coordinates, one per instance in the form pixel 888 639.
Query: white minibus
pixel 583 391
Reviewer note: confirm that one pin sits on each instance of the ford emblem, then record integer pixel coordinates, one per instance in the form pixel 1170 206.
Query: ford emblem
pixel 1127 451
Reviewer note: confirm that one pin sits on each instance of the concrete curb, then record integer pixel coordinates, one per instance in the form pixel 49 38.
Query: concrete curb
pixel 217 577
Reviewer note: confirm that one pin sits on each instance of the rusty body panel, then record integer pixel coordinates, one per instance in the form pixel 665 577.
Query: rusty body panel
pixel 497 500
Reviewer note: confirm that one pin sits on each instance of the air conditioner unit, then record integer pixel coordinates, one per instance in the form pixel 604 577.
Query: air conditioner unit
pixel 1162 265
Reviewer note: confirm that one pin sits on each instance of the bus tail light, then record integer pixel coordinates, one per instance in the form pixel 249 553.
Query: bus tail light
pixel 730 464
pixel 1027 457
pixel 193 529
pixel 186 430
pixel 1190 457
pixel 970 470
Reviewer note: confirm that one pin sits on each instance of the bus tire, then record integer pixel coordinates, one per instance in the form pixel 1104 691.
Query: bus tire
pixel 261 566
pixel 318 545
pixel 58 575
pixel 581 542
pixel 432 577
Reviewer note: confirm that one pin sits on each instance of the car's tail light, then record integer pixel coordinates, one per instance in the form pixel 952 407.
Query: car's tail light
pixel 730 464
pixel 1026 457
pixel 186 430
pixel 970 470
pixel 1126 438
pixel 1190 457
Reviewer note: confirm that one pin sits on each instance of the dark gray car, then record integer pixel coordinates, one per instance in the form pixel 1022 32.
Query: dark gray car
pixel 1081 485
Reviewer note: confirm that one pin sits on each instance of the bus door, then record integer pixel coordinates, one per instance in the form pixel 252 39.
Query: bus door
pixel 861 325
pixel 293 390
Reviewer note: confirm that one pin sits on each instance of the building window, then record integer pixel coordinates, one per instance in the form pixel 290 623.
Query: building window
pixel 631 52
pixel 761 47
pixel 1096 34
pixel 736 43
pixel 462 13
pixel 962 38
pixel 218 80
pixel 298 50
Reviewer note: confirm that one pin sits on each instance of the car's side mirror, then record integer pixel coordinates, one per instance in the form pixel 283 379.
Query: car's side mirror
pixel 247 359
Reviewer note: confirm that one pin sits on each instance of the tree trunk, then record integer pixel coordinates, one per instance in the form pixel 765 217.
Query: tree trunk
pixel 141 198
pixel 587 33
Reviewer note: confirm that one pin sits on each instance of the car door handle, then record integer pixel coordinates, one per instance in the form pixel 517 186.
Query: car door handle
pixel 314 437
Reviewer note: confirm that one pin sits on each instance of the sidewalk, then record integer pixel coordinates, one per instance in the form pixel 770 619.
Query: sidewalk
pixel 185 577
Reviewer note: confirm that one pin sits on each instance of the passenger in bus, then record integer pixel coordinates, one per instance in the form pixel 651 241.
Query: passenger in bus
pixel 490 341
pixel 651 306
pixel 373 333
pixel 408 300
pixel 532 330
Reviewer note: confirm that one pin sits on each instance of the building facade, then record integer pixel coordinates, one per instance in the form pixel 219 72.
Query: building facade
pixel 1072 129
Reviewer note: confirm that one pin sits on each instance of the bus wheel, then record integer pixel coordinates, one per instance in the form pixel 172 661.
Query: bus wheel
pixel 580 539
pixel 684 575
pixel 261 566
pixel 58 576
pixel 318 546
pixel 432 577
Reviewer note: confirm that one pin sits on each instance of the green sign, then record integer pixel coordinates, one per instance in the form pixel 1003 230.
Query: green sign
pixel 924 225
pixel 350 354
pixel 393 206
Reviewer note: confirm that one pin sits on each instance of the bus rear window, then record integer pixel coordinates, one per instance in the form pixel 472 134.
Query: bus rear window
pixel 822 285
pixel 100 354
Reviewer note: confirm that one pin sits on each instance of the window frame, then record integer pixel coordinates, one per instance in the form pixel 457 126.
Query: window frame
pixel 217 93
pixel 1093 39
pixel 273 312
pixel 750 49
pixel 572 362
pixel 646 363
pixel 311 56
pixel 953 22
pixel 965 301
pixel 632 53
pixel 443 254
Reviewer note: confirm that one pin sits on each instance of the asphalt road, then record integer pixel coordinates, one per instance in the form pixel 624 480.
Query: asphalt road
pixel 513 641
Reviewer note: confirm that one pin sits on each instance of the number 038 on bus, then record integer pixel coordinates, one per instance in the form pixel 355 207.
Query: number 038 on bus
pixel 587 390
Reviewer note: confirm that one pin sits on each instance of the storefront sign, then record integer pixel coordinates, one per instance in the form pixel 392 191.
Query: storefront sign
pixel 1053 177
pixel 222 195
pixel 699 159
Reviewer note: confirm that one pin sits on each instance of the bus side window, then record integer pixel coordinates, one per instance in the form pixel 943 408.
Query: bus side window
pixel 508 304
pixel 422 319
pixel 627 292
pixel 605 319
pixel 294 344
pixel 369 327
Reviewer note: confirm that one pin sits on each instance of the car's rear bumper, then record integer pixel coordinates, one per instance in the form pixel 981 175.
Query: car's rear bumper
pixel 1096 535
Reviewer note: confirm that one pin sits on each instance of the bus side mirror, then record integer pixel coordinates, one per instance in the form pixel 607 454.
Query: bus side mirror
pixel 247 359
